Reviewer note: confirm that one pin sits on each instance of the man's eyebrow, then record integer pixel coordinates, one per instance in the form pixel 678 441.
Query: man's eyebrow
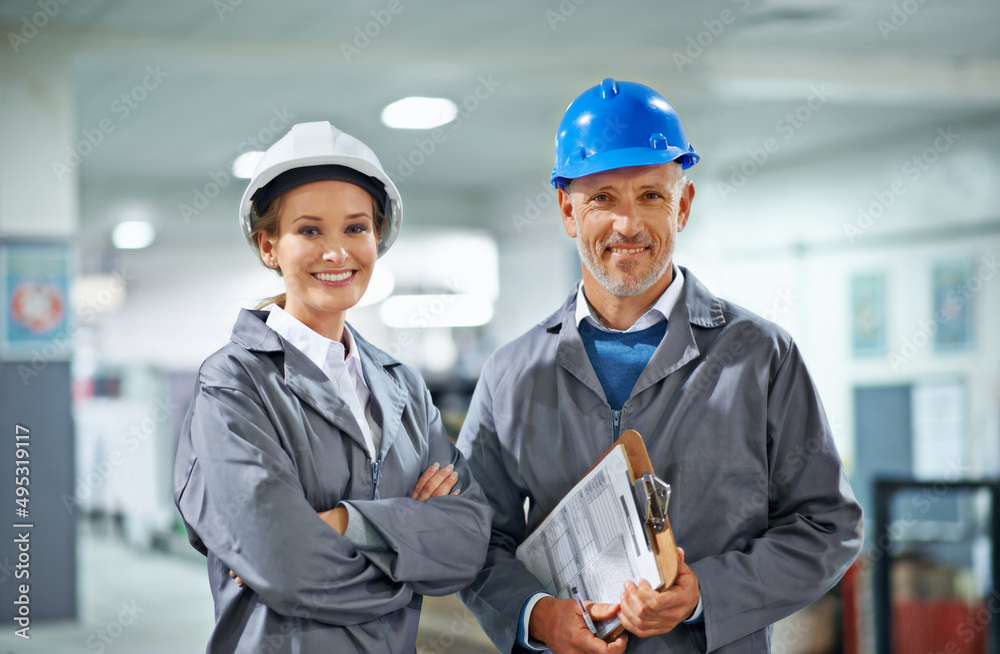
pixel 607 187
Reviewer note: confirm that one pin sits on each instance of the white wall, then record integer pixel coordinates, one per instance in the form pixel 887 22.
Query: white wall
pixel 795 232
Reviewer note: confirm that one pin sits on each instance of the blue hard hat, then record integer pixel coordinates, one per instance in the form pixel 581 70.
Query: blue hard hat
pixel 616 125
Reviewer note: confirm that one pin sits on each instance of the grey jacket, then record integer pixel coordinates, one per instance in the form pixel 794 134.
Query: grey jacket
pixel 267 444
pixel 731 420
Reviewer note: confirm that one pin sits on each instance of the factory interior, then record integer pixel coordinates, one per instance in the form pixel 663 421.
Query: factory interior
pixel 848 190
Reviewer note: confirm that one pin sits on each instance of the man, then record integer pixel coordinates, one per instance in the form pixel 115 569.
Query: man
pixel 761 509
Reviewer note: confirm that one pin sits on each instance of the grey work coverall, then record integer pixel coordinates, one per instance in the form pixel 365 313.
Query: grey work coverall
pixel 268 443
pixel 731 419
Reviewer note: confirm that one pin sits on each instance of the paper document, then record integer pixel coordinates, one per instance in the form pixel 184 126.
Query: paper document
pixel 593 540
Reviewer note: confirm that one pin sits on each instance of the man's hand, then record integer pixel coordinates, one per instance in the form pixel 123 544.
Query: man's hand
pixel 646 612
pixel 559 624
pixel 435 482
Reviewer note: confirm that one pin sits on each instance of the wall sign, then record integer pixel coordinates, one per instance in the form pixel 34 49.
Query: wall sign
pixel 34 296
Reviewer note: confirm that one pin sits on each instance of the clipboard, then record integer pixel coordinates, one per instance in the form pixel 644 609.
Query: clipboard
pixel 556 555
pixel 661 537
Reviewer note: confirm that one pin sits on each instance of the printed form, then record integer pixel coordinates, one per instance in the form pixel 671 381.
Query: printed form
pixel 593 540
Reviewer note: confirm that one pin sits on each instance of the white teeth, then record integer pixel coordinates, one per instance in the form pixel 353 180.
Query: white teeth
pixel 330 277
pixel 624 251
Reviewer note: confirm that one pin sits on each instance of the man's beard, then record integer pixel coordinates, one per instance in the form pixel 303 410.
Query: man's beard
pixel 629 285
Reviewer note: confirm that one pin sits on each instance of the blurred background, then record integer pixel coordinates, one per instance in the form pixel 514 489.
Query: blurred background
pixel 848 190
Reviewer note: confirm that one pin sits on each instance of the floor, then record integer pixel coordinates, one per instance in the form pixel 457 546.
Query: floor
pixel 158 603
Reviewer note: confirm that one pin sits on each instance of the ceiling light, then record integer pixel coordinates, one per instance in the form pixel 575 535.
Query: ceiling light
pixel 101 293
pixel 419 113
pixel 243 166
pixel 449 310
pixel 133 235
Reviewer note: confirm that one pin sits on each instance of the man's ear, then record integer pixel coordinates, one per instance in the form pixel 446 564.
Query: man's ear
pixel 566 211
pixel 684 210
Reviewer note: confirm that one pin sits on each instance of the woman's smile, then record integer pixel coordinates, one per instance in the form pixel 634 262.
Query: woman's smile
pixel 336 278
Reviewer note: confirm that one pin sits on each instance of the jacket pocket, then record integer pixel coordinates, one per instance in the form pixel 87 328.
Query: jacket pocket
pixel 698 638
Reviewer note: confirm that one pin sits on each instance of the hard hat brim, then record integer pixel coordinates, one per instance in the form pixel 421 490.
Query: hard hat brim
pixel 623 158
pixel 394 204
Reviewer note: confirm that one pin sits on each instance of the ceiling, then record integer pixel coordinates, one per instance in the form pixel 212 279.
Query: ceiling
pixel 227 69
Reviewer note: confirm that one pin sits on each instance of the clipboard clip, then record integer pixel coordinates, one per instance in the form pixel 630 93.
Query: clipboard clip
pixel 653 495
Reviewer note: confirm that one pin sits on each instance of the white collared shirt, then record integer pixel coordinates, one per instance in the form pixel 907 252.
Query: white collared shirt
pixel 344 371
pixel 657 313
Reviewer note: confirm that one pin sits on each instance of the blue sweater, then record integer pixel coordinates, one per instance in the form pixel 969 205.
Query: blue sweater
pixel 620 357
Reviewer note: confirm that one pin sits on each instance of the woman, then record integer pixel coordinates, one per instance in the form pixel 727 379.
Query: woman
pixel 313 465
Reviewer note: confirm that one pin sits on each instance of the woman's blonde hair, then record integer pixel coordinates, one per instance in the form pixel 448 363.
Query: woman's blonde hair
pixel 270 224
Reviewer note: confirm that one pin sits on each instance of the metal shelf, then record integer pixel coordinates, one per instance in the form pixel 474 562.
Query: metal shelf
pixel 890 534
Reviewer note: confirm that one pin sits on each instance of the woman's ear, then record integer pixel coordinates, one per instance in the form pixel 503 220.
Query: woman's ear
pixel 268 251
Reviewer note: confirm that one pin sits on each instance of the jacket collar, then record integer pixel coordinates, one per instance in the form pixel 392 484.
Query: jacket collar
pixel 697 306
pixel 702 308
pixel 313 387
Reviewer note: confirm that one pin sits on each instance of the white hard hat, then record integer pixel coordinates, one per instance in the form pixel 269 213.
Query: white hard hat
pixel 322 144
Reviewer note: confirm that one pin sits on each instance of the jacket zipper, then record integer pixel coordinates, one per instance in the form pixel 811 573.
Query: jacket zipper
pixel 375 467
pixel 616 419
